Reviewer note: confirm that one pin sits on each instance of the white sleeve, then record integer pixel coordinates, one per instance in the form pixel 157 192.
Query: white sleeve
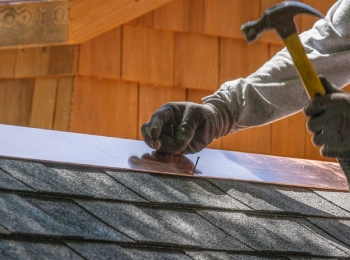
pixel 275 90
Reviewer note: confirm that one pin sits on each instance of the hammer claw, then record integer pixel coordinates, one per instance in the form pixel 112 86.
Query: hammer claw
pixel 281 18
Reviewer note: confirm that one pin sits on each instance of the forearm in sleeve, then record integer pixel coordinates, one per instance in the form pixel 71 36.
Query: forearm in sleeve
pixel 275 90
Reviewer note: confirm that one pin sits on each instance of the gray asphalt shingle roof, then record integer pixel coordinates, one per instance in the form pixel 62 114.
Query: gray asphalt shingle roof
pixel 53 211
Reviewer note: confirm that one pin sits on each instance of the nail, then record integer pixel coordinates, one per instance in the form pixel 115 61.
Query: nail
pixel 194 169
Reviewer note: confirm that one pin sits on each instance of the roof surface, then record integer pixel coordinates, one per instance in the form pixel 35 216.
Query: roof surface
pixel 71 212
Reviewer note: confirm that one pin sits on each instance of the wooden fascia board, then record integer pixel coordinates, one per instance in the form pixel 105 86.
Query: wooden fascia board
pixel 91 18
pixel 66 21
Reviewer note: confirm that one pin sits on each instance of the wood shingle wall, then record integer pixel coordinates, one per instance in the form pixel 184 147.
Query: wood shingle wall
pixel 112 83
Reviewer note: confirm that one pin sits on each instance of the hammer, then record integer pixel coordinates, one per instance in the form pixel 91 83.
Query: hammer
pixel 281 18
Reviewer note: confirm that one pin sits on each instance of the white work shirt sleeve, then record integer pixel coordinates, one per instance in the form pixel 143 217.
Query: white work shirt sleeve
pixel 275 91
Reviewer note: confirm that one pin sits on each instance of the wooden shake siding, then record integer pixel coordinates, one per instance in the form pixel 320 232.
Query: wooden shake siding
pixel 111 84
pixel 36 86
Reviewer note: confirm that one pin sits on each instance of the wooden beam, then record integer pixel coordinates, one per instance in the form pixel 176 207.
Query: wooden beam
pixel 94 17
pixel 34 22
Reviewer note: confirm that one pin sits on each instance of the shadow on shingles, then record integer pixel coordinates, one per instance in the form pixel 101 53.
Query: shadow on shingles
pixel 271 195
pixel 267 194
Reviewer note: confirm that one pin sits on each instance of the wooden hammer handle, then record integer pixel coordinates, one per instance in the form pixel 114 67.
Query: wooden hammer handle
pixel 304 66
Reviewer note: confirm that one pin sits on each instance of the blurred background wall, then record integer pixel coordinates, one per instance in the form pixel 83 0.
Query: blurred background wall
pixel 110 82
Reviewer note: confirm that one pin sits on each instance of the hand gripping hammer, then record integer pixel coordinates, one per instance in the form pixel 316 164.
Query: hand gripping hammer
pixel 281 18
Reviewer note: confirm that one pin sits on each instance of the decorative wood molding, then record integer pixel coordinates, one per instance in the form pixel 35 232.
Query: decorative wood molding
pixel 34 23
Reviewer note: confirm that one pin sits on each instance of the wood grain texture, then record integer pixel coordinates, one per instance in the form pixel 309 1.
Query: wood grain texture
pixel 105 107
pixel 63 60
pixel 148 55
pixel 32 62
pixel 146 20
pixel 288 136
pixel 253 140
pixel 101 56
pixel 196 96
pixel 16 101
pixel 181 15
pixel 153 97
pixel 196 61
pixel 63 103
pixel 7 63
pixel 225 17
pixel 34 23
pixel 43 104
pixel 91 18
pixel 46 61
pixel 238 59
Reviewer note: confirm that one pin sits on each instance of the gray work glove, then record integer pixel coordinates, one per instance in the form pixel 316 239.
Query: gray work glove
pixel 329 121
pixel 186 127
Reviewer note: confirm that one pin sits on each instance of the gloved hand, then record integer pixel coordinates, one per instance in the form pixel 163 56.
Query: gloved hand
pixel 185 127
pixel 329 121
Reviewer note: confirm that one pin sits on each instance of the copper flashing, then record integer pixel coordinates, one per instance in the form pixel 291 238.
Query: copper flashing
pixel 115 153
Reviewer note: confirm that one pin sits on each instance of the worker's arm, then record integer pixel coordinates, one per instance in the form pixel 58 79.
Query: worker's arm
pixel 272 92
pixel 275 91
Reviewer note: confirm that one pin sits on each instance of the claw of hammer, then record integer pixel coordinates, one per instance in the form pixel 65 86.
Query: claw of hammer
pixel 281 18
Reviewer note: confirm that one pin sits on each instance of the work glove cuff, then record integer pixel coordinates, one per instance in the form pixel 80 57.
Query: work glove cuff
pixel 224 119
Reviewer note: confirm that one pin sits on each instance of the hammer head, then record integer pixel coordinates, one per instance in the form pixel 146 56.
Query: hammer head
pixel 279 17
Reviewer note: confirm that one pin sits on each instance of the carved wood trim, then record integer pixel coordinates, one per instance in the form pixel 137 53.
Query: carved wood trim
pixel 34 23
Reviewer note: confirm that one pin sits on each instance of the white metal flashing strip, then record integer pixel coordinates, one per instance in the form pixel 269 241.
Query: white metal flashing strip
pixel 122 154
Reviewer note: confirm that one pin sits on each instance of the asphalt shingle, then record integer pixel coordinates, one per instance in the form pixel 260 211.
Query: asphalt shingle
pixel 338 228
pixel 9 183
pixel 341 199
pixel 16 250
pixel 275 234
pixel 52 218
pixel 93 213
pixel 111 251
pixel 69 180
pixel 226 256
pixel 267 197
pixel 3 230
pixel 182 227
pixel 177 190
